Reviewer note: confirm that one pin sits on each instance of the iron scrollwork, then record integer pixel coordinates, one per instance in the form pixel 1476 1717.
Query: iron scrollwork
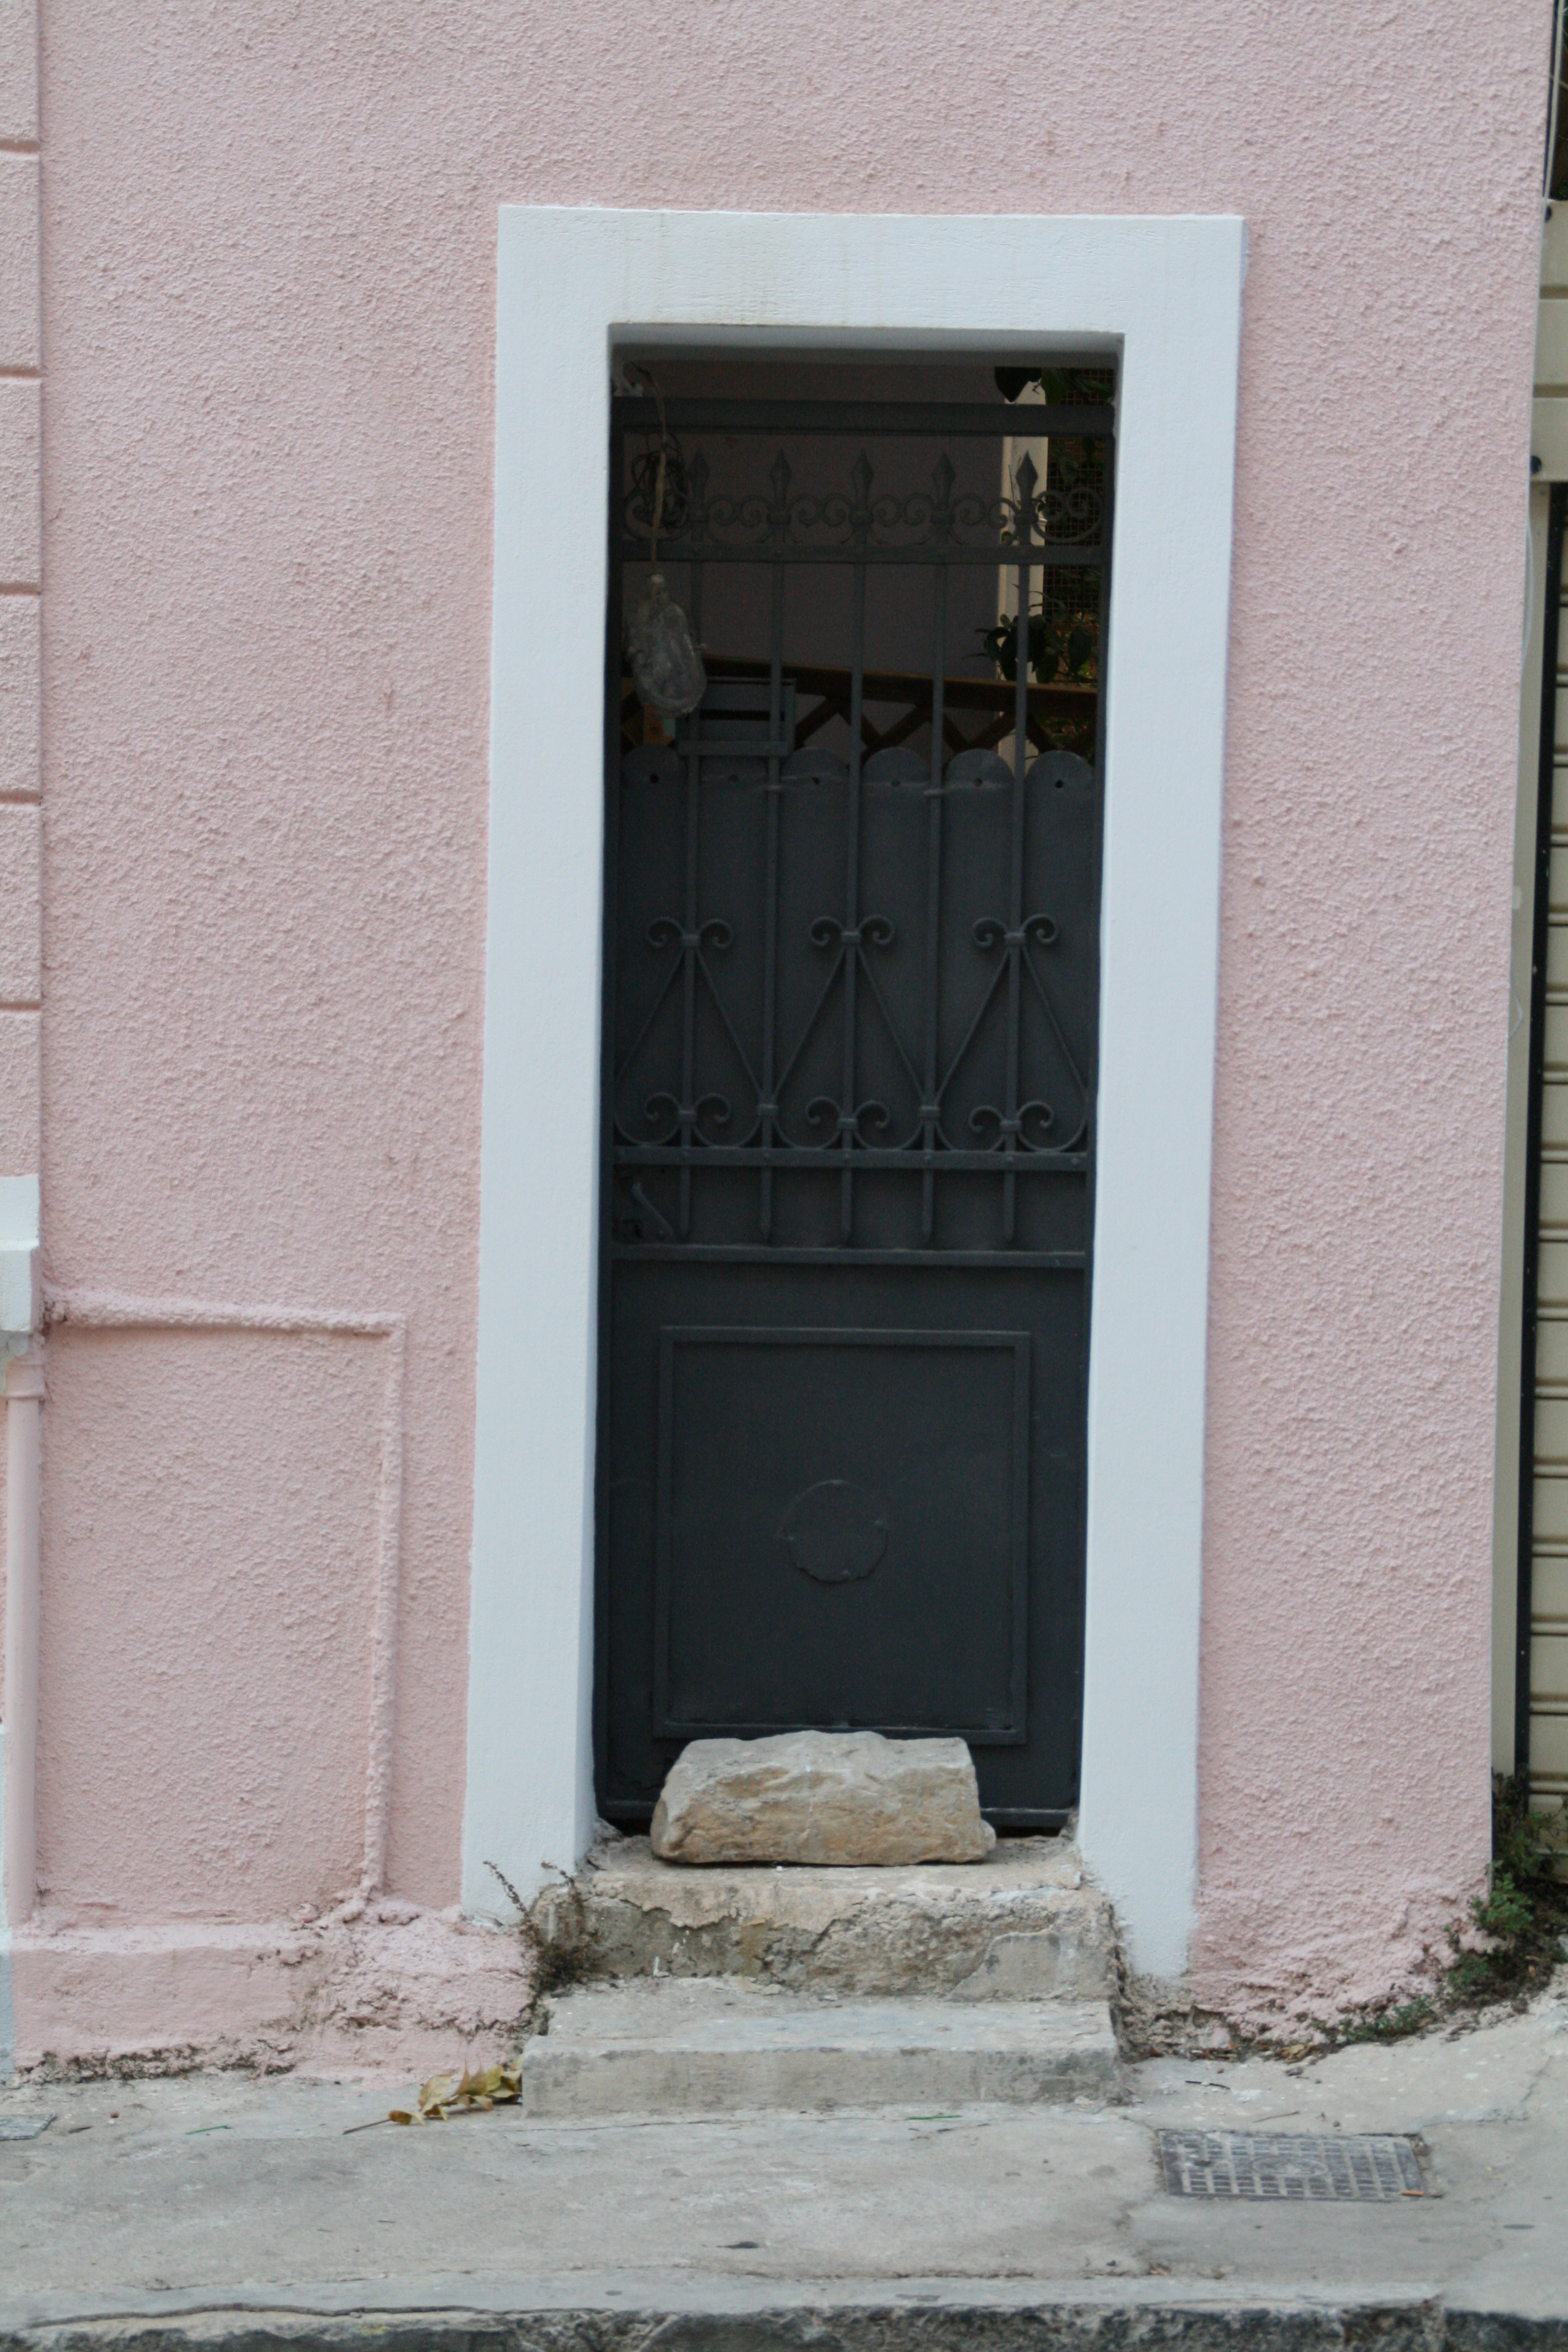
pixel 682 1120
pixel 952 1044
pixel 1026 1127
pixel 859 520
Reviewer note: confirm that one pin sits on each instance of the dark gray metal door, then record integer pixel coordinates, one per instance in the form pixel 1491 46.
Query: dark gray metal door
pixel 851 969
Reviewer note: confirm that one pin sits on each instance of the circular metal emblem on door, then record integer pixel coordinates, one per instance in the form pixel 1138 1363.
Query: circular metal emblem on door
pixel 835 1531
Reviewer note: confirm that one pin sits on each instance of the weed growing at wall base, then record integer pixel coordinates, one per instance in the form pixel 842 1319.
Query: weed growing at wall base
pixel 1392 2024
pixel 1524 1913
pixel 557 1957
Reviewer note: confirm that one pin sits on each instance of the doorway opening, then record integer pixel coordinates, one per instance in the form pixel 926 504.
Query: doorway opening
pixel 851 995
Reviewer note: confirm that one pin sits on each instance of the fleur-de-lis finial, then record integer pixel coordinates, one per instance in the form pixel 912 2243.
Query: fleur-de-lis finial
pixel 943 479
pixel 860 498
pixel 780 476
pixel 695 525
pixel 1025 481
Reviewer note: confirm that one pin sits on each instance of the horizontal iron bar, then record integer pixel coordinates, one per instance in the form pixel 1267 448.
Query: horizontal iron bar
pixel 764 1253
pixel 1042 1817
pixel 911 687
pixel 1026 1817
pixel 1088 421
pixel 1040 553
pixel 865 1157
pixel 999 1736
pixel 729 747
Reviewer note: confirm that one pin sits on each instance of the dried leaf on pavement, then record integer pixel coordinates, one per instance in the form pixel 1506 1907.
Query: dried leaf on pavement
pixel 463 2094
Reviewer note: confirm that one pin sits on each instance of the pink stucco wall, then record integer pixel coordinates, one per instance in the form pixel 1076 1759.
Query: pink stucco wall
pixel 185 1472
pixel 268 254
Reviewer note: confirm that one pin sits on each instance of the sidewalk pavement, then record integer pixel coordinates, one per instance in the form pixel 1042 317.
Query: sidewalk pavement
pixel 244 2212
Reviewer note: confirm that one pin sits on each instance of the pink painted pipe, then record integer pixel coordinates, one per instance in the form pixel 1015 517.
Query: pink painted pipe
pixel 24 1436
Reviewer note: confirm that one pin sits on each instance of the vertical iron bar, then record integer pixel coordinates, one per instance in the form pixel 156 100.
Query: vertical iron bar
pixel 1541 936
pixel 933 894
pixel 1091 1141
pixel 768 1108
pixel 687 1105
pixel 689 976
pixel 1015 902
pixel 852 902
pixel 1107 518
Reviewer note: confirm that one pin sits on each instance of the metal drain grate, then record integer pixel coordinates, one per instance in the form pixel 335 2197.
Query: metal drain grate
pixel 1300 2168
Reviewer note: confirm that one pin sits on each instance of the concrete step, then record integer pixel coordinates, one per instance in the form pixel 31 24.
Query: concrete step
pixel 694 2045
pixel 1023 1924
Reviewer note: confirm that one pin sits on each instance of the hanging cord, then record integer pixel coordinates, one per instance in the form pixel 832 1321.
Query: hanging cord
pixel 665 445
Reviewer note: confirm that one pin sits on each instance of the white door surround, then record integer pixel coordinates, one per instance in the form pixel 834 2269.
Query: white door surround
pixel 1166 296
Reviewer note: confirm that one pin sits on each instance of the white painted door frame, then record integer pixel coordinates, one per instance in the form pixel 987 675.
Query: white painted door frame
pixel 1165 295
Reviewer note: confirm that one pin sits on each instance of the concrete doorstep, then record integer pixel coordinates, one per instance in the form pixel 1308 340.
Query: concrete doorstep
pixel 253 2213
pixel 739 1988
pixel 700 2046
pixel 924 1929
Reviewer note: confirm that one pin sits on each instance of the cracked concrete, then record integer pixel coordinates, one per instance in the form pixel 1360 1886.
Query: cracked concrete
pixel 157 2201
pixel 845 1931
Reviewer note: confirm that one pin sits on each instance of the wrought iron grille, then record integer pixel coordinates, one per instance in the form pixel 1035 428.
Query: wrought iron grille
pixel 854 959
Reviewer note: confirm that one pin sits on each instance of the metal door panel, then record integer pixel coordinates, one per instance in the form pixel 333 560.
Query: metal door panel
pixel 851 983
pixel 825 1498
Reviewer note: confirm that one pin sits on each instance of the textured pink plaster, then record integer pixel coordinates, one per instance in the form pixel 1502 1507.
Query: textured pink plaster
pixel 19 70
pixel 387 1990
pixel 19 1104
pixel 18 261
pixel 268 320
pixel 19 642
pixel 20 536
pixel 205 1619
pixel 19 837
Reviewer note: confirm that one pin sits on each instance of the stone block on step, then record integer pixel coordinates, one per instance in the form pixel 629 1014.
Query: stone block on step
pixel 822 1796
